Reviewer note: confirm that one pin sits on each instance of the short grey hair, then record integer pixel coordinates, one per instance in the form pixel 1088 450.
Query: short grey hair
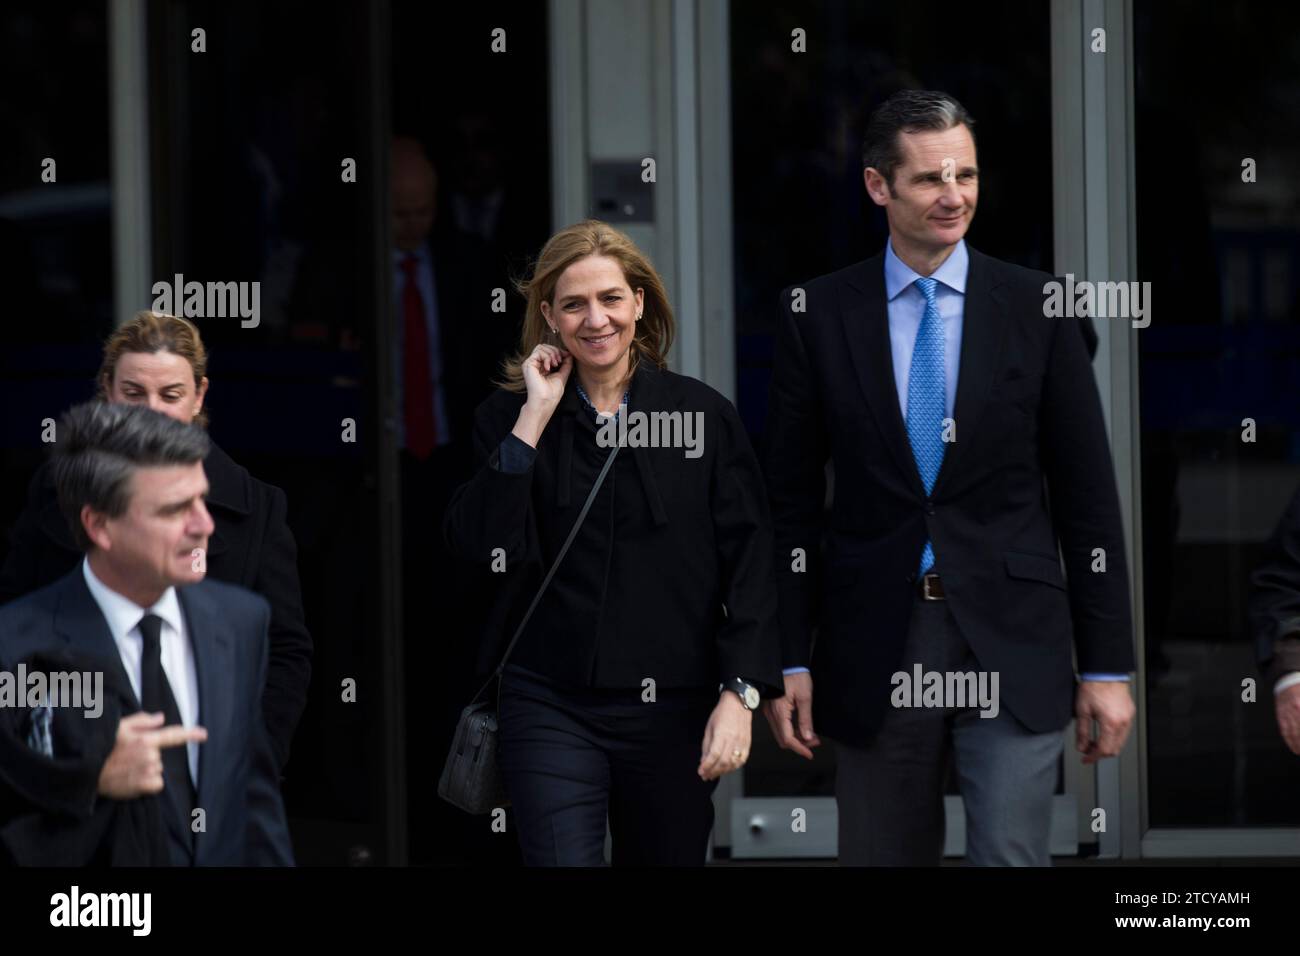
pixel 908 111
pixel 101 444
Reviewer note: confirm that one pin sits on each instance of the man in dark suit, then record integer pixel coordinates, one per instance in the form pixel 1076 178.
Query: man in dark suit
pixel 1275 619
pixel 969 453
pixel 192 652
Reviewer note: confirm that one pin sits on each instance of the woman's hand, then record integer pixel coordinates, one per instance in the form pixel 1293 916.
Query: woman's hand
pixel 546 372
pixel 726 738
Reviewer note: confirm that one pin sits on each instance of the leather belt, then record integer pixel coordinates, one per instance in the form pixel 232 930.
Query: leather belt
pixel 931 588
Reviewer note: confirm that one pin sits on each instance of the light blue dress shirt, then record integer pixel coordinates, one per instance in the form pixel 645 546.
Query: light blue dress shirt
pixel 906 308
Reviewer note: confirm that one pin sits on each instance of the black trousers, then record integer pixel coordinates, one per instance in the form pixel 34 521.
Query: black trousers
pixel 570 757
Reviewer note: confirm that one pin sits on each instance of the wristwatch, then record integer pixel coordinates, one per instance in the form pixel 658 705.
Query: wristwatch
pixel 746 691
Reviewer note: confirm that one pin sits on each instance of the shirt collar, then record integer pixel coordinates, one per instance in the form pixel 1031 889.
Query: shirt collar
pixel 898 275
pixel 123 614
pixel 421 253
pixel 582 394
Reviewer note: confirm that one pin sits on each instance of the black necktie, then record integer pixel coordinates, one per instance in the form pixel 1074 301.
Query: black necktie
pixel 155 696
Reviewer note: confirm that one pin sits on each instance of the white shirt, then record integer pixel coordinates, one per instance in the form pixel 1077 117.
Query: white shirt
pixel 123 616
pixel 1285 681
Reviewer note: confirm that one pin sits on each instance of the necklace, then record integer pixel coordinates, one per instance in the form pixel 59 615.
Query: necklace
pixel 599 414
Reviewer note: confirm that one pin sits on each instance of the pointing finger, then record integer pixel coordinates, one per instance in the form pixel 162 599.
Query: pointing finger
pixel 176 735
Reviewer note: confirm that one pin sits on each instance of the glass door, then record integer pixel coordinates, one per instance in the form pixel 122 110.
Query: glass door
pixel 1218 233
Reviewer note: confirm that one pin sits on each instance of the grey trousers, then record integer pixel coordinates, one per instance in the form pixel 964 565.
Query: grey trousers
pixel 890 794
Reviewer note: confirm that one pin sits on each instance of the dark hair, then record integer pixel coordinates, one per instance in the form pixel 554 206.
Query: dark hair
pixel 100 444
pixel 908 111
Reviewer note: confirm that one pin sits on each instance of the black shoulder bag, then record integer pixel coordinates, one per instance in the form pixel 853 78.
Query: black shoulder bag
pixel 471 778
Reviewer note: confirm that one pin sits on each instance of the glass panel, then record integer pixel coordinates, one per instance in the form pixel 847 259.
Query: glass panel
pixel 483 120
pixel 249 137
pixel 54 235
pixel 1223 259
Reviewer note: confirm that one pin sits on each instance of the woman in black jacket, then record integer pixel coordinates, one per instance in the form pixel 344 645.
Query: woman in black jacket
pixel 159 360
pixel 632 688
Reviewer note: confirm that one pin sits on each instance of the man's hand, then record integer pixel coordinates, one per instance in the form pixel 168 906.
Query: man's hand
pixel 1111 705
pixel 726 738
pixel 1287 705
pixel 134 768
pixel 781 714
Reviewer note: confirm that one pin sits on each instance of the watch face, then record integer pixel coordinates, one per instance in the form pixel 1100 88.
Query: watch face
pixel 751 698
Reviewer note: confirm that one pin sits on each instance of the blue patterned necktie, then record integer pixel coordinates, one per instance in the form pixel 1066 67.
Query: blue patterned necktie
pixel 926 393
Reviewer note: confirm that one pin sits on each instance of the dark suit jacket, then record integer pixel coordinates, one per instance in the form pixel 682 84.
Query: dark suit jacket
pixel 252 547
pixel 238 779
pixel 1275 598
pixel 1027 415
pixel 668 544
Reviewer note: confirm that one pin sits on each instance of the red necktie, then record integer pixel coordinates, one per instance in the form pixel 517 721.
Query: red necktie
pixel 421 426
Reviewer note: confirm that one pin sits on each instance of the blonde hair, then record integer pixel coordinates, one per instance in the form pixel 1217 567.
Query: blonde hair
pixel 151 332
pixel 591 237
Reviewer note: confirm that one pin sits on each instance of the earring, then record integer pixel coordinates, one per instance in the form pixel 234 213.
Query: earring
pixel 638 316
pixel 553 332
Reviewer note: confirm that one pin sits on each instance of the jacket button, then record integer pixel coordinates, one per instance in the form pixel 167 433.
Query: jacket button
pixel 911 578
pixel 929 509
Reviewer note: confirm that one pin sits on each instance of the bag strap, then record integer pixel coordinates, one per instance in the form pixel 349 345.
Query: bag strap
pixel 573 533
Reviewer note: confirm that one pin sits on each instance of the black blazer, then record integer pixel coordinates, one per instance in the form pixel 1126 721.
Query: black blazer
pixel 1275 599
pixel 670 577
pixel 239 784
pixel 252 547
pixel 1028 422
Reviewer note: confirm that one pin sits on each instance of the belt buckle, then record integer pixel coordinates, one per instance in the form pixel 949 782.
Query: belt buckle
pixel 926 579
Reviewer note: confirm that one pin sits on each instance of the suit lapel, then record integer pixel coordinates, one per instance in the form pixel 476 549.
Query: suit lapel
pixel 866 328
pixel 984 325
pixel 81 625
pixel 214 666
